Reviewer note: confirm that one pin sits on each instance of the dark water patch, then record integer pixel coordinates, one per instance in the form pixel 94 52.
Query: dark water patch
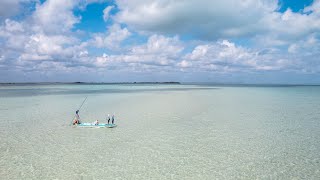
pixel 25 92
pixel 252 85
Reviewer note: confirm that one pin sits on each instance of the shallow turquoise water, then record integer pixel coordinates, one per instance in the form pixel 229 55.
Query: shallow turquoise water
pixel 164 132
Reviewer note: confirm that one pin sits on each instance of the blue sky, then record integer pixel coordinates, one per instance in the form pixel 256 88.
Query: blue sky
pixel 230 41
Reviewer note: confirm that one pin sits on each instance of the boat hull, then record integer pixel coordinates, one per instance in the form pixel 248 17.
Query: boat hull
pixel 92 125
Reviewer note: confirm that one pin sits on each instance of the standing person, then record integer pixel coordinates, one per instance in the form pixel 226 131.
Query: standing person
pixel 108 118
pixel 112 119
pixel 76 118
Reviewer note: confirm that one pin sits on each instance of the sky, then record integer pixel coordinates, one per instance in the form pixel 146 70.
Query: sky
pixel 223 41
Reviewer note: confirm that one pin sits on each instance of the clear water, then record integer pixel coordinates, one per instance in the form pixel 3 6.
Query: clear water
pixel 164 132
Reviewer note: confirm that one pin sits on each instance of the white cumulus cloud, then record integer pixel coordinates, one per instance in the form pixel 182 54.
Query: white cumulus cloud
pixel 112 38
pixel 206 19
pixel 259 20
pixel 106 12
pixel 158 51
pixel 55 16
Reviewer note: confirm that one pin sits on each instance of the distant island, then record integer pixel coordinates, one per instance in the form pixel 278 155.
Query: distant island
pixel 79 82
pixel 126 83
pixel 165 82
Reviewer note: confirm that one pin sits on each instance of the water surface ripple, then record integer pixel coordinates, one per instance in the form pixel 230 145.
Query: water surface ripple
pixel 164 132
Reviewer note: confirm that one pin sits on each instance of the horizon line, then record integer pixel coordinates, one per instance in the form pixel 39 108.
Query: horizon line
pixel 162 82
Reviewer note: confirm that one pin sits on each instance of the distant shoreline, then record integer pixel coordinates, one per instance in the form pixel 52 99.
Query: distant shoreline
pixel 49 83
pixel 150 83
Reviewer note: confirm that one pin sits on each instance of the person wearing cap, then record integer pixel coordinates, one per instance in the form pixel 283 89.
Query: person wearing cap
pixel 76 118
